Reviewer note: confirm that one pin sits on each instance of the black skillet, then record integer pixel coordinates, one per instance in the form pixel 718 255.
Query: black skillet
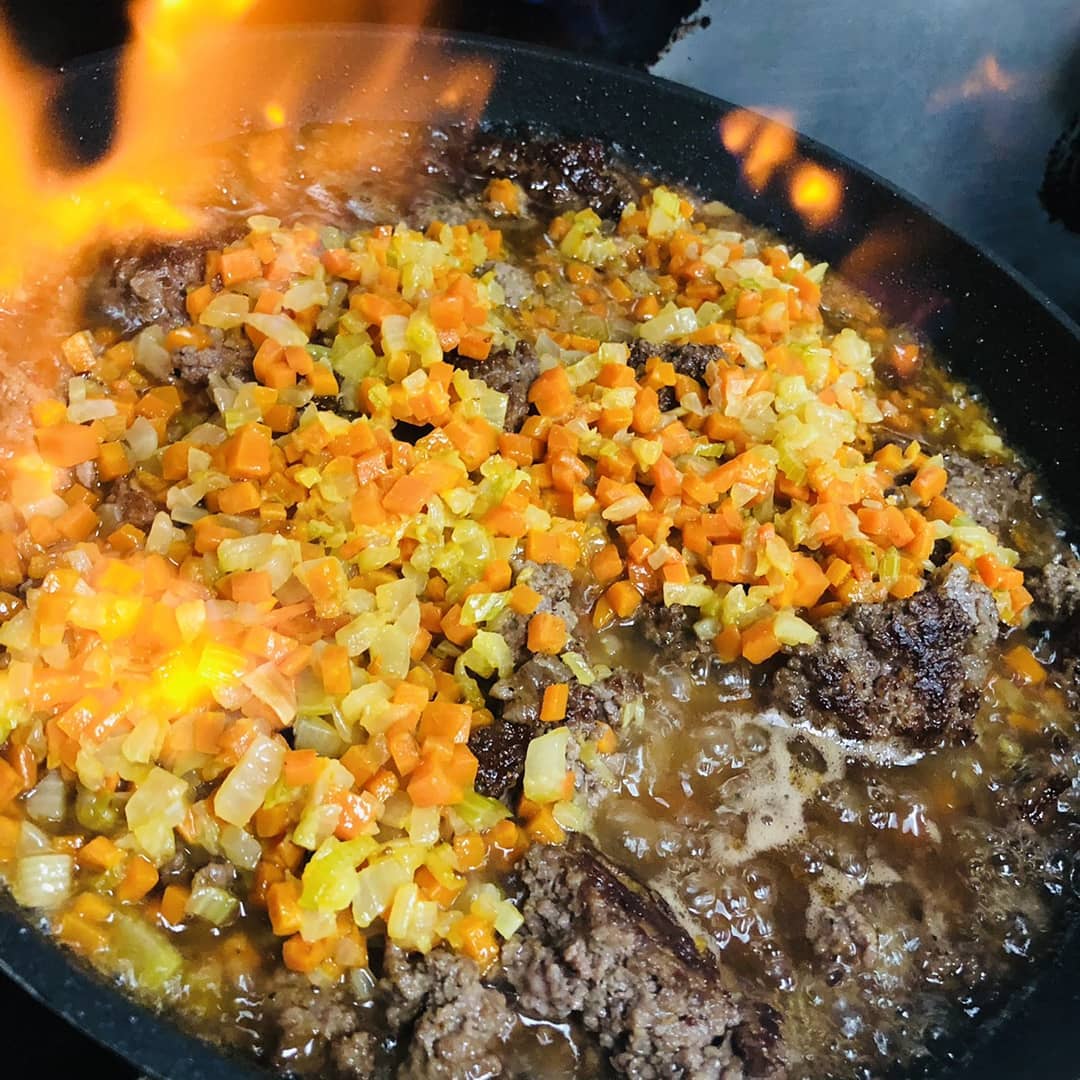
pixel 994 329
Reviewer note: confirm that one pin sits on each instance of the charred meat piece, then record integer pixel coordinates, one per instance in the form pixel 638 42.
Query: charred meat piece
pixel 148 284
pixel 456 1024
pixel 500 749
pixel 600 948
pixel 913 669
pixel 319 1031
pixel 511 373
pixel 558 174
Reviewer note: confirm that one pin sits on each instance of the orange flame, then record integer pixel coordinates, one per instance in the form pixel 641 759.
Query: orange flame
pixel 767 145
pixel 988 78
pixel 191 76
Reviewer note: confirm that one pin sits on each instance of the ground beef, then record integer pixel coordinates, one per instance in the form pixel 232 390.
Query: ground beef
pixel 221 357
pixel 147 284
pixel 501 747
pixel 599 948
pixel 665 625
pixel 217 875
pixel 757 1041
pixel 994 493
pixel 689 360
pixel 557 174
pixel 911 668
pixel 457 1023
pixel 509 372
pixel 522 693
pixel 554 583
pixel 131 503
pixel 873 929
pixel 318 1031
pixel 1055 591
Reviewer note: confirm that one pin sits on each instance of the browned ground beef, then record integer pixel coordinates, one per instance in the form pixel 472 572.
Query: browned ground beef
pixel 875 928
pixel 511 373
pixel 221 357
pixel 554 584
pixel 689 360
pixel 911 668
pixel 601 949
pixel 456 1024
pixel 558 174
pixel 500 747
pixel 132 503
pixel 994 493
pixel 147 284
pixel 319 1031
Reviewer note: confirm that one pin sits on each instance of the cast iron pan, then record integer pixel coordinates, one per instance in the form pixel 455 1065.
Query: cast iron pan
pixel 993 328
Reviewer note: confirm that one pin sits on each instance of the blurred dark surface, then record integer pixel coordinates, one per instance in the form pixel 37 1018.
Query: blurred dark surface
pixel 960 103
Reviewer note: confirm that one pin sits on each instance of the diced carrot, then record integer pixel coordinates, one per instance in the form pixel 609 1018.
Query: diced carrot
pixel 928 482
pixel 547 633
pixel 407 496
pixel 305 956
pixel 174 904
pixel 454 629
pixel 556 698
pixel 524 599
pixel 250 586
pixel 810 581
pixel 246 454
pixel 240 264
pixel 607 564
pixel 358 812
pixel 430 785
pixel 140 876
pixel 624 599
pixel 100 853
pixel 301 767
pixel 66 445
pixel 759 641
pixel 335 671
pixel 551 393
pixel 1022 662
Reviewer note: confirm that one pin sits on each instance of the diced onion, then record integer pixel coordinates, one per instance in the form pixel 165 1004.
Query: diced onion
pixel 545 766
pixel 279 328
pixel 243 790
pixel 43 881
pixel 48 801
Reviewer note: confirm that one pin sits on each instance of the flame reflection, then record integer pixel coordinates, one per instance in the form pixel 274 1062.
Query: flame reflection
pixel 767 146
pixel 987 79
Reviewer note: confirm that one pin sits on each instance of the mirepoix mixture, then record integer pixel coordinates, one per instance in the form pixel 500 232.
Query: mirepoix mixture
pixel 521 620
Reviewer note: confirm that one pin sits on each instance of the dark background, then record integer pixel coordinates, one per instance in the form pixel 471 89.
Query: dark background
pixel 959 102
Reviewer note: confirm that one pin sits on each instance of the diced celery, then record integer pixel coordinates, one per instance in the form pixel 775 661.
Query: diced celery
pixel 146 951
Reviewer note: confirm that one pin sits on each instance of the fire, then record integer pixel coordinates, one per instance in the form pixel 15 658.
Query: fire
pixel 191 76
pixel 987 79
pixel 767 145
